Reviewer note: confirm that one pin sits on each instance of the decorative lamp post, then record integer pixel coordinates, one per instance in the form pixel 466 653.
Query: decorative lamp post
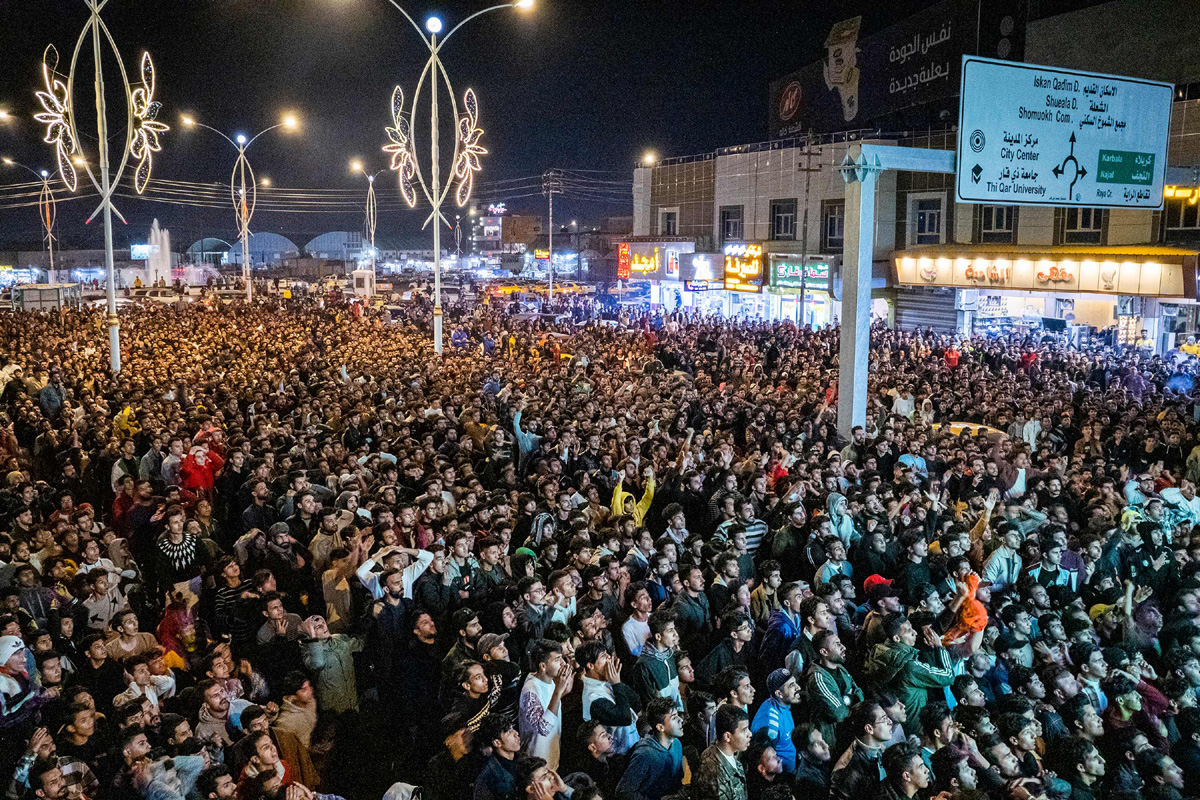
pixel 243 188
pixel 142 130
pixel 47 213
pixel 372 213
pixel 467 150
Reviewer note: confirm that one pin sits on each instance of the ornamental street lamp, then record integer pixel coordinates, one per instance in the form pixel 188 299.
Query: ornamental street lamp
pixel 47 212
pixel 371 211
pixel 142 130
pixel 243 188
pixel 467 150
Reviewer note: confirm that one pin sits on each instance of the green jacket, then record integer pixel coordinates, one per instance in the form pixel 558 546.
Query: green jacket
pixel 900 668
pixel 331 662
pixel 719 778
pixel 831 695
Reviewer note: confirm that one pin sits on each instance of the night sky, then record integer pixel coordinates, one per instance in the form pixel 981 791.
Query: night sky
pixel 571 84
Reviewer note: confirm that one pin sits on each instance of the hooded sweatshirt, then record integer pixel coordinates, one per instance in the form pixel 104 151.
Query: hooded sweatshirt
pixel 840 521
pixel 653 771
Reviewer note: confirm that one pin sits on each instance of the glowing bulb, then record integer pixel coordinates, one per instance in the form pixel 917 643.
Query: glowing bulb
pixel 4 115
pixel 524 5
pixel 433 25
pixel 8 161
pixel 240 138
pixel 649 158
pixel 266 181
pixel 188 121
pixel 79 162
pixel 356 166
pixel 290 122
pixel 45 174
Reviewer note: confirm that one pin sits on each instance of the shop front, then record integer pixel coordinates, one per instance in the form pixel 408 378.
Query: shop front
pixel 643 267
pixel 694 286
pixel 744 281
pixel 801 291
pixel 1073 289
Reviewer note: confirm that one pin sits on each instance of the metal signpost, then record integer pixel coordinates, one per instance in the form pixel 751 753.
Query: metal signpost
pixel 1034 135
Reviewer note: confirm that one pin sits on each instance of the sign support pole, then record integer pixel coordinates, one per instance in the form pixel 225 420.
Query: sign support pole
pixel 860 170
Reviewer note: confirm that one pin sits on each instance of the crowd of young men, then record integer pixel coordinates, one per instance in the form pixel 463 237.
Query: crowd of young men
pixel 290 553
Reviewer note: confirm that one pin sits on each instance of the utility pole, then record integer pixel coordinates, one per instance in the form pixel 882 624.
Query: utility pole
pixel 808 171
pixel 551 185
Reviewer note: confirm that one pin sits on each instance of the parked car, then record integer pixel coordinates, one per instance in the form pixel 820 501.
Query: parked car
pixel 159 295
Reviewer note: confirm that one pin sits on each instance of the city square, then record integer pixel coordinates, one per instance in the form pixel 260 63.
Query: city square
pixel 643 400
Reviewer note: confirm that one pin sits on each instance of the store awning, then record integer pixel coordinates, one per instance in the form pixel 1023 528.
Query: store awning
pixel 1142 270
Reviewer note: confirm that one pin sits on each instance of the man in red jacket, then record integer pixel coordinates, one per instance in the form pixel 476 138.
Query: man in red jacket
pixel 199 470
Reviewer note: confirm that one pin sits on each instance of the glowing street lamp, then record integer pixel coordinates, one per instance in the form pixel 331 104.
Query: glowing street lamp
pixel 357 167
pixel 243 188
pixel 467 150
pixel 142 131
pixel 46 207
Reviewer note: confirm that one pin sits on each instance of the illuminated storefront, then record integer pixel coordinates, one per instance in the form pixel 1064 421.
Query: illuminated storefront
pixel 789 279
pixel 744 280
pixel 1002 288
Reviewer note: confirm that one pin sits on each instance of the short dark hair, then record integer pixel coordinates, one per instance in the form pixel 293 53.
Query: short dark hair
pixel 1069 753
pixel 660 619
pixel 728 718
pixel 658 709
pixel 898 758
pixel 493 726
pixel 541 650
pixel 206 783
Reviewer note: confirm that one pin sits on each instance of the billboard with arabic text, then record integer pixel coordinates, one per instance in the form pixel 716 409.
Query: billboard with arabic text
pixel 905 75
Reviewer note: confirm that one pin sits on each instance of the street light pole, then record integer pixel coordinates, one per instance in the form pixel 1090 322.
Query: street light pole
pixel 142 130
pixel 47 212
pixel 243 189
pixel 467 150
pixel 371 211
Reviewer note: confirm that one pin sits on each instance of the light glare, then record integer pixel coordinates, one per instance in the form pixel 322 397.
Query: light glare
pixel 649 158
pixel 241 138
pixel 433 25
pixel 290 122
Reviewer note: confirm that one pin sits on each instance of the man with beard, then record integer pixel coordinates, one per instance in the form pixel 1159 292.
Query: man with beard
pixel 214 713
pixel 51 776
pixel 466 623
pixel 388 633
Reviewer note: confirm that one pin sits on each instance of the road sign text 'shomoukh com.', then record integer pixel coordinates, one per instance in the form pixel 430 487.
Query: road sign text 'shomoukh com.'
pixel 1036 135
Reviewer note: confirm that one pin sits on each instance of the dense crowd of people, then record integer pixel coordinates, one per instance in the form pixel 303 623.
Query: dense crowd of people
pixel 288 553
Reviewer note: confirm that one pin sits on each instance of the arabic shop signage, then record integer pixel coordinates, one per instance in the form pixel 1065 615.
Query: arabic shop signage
pixel 541 255
pixel 701 286
pixel 1079 272
pixel 623 261
pixel 787 274
pixel 1037 135
pixel 644 264
pixel 912 67
pixel 743 267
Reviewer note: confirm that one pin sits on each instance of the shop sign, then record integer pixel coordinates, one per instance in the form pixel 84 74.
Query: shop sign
pixel 541 255
pixel 787 274
pixel 623 261
pixel 743 267
pixel 644 264
pixel 702 269
pixel 701 286
pixel 1079 273
pixel 673 264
